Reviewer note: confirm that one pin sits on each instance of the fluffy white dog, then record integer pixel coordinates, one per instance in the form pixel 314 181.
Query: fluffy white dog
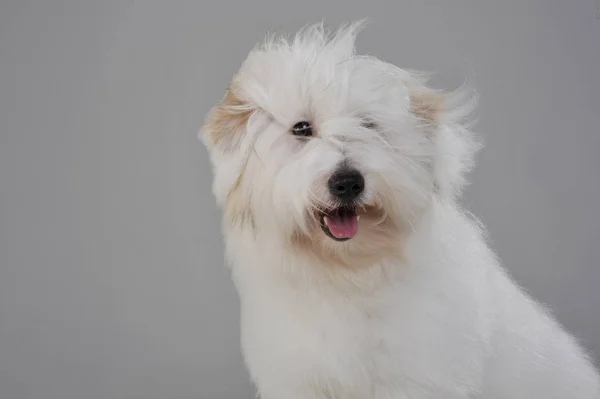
pixel 360 276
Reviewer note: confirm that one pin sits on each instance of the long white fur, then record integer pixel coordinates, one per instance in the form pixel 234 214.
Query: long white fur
pixel 439 319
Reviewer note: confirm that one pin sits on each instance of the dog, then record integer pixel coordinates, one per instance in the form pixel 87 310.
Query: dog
pixel 360 275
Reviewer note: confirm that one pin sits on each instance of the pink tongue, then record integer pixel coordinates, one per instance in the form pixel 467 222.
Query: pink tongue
pixel 342 226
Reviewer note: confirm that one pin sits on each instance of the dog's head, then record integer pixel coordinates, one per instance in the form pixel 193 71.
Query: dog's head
pixel 338 153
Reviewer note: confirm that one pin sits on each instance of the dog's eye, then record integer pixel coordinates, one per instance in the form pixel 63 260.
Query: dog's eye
pixel 302 129
pixel 370 125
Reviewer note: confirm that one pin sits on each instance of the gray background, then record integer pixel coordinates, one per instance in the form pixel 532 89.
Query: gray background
pixel 111 284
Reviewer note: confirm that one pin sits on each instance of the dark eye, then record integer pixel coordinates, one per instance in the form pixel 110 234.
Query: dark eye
pixel 302 129
pixel 369 125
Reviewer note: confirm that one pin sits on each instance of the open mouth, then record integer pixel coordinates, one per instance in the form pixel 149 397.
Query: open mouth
pixel 340 224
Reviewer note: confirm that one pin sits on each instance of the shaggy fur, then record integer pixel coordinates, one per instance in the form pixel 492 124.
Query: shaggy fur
pixel 415 305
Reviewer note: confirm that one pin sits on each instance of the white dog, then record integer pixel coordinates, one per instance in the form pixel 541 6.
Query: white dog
pixel 360 276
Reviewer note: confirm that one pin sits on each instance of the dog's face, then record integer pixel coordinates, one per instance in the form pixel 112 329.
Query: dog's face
pixel 332 151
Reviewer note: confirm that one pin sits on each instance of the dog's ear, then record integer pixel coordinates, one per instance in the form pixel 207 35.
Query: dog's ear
pixel 427 106
pixel 441 117
pixel 226 123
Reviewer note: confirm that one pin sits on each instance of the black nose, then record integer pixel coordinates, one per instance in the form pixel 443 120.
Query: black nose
pixel 346 185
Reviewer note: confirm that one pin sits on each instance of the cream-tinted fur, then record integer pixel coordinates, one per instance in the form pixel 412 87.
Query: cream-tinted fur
pixel 416 305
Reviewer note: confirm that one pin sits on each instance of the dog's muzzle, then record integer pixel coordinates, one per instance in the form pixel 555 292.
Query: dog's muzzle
pixel 346 187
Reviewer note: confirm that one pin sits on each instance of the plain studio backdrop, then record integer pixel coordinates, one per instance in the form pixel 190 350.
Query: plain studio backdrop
pixel 112 283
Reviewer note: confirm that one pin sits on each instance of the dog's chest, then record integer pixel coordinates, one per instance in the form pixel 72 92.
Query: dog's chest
pixel 315 342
